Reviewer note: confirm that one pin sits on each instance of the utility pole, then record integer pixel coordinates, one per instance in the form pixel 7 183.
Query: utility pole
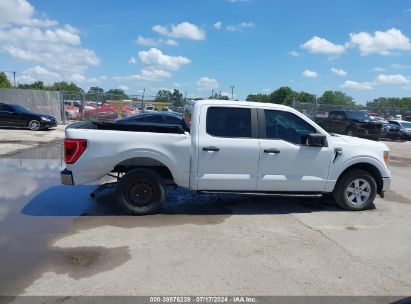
pixel 212 94
pixel 142 98
pixel 14 78
pixel 232 92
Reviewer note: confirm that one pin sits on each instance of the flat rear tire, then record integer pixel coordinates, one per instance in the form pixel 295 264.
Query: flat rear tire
pixel 141 192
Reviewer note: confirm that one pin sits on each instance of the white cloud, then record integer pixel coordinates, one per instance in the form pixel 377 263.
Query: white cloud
pixel 184 30
pixel 317 45
pixel 218 25
pixel 378 69
pixel 400 66
pixel 239 27
pixel 349 84
pixel 155 57
pixel 392 79
pixel 150 74
pixel 155 42
pixel 339 72
pixel 294 53
pixel 309 74
pixel 123 87
pixel 205 83
pixel 21 12
pixel 55 49
pixel 132 60
pixel 382 43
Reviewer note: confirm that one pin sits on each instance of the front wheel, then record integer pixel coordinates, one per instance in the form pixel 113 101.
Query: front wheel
pixel 34 125
pixel 141 192
pixel 355 190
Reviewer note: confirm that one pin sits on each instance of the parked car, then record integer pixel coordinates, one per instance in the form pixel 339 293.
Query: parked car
pixel 169 118
pixel 234 147
pixel 150 108
pixel 405 128
pixel 352 123
pixel 391 131
pixel 17 116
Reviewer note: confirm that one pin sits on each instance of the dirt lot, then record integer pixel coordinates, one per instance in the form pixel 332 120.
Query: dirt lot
pixel 56 240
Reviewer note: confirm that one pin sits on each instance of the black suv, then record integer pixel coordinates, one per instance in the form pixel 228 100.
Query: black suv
pixel 17 116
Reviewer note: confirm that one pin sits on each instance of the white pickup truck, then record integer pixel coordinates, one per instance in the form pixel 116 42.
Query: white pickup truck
pixel 232 147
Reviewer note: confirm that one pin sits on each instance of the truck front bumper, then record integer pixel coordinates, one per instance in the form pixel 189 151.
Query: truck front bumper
pixel 66 177
pixel 386 182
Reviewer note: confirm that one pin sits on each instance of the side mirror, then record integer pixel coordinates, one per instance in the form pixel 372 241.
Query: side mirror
pixel 316 140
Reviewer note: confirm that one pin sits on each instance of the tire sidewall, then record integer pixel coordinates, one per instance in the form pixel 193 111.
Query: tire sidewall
pixel 346 180
pixel 130 179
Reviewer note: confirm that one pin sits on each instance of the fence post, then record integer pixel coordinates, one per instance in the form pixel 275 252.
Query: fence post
pixel 83 101
pixel 63 110
pixel 315 106
pixel 293 103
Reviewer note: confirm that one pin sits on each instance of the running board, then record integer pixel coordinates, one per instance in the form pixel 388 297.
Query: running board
pixel 277 194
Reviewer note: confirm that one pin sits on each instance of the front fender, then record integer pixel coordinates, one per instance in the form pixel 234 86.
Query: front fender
pixel 339 167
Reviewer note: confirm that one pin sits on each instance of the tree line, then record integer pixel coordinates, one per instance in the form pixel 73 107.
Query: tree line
pixel 283 95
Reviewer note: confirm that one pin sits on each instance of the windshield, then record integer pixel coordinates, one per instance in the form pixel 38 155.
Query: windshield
pixel 358 115
pixel 406 125
pixel 22 109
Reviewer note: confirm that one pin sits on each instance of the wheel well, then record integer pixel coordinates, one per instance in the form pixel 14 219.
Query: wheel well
pixel 146 163
pixel 370 169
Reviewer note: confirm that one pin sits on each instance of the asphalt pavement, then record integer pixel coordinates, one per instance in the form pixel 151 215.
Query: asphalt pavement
pixel 56 240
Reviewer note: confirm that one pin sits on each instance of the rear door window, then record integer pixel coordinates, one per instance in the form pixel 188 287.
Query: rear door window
pixel 228 122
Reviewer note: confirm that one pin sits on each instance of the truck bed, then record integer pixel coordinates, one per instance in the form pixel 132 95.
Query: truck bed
pixel 136 127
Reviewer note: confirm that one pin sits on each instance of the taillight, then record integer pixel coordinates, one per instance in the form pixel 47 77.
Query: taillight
pixel 73 148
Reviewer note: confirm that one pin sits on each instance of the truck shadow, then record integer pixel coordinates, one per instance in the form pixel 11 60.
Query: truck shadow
pixel 75 201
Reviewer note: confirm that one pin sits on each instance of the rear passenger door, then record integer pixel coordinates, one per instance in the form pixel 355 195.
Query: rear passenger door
pixel 228 149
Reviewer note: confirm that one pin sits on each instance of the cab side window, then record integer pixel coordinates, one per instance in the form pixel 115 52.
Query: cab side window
pixel 229 122
pixel 286 126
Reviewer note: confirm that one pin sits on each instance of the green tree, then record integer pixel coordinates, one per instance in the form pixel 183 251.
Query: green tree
pixel 116 94
pixel 95 94
pixel 163 96
pixel 177 98
pixel 4 81
pixel 258 98
pixel 336 98
pixel 69 87
pixel 305 97
pixel 283 95
pixel 37 85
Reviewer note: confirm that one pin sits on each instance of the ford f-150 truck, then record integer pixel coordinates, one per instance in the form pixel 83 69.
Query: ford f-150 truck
pixel 353 123
pixel 232 147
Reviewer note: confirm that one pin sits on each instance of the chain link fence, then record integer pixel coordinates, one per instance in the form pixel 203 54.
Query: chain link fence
pixel 105 107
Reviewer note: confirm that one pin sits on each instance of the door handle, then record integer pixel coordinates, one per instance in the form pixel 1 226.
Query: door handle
pixel 211 148
pixel 276 151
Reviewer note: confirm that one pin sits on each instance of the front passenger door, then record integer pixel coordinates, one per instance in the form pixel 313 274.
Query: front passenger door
pixel 286 162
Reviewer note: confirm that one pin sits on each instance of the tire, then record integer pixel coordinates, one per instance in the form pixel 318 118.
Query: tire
pixel 355 180
pixel 141 192
pixel 34 125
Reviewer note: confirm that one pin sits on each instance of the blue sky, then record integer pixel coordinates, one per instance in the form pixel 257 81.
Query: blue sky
pixel 360 47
